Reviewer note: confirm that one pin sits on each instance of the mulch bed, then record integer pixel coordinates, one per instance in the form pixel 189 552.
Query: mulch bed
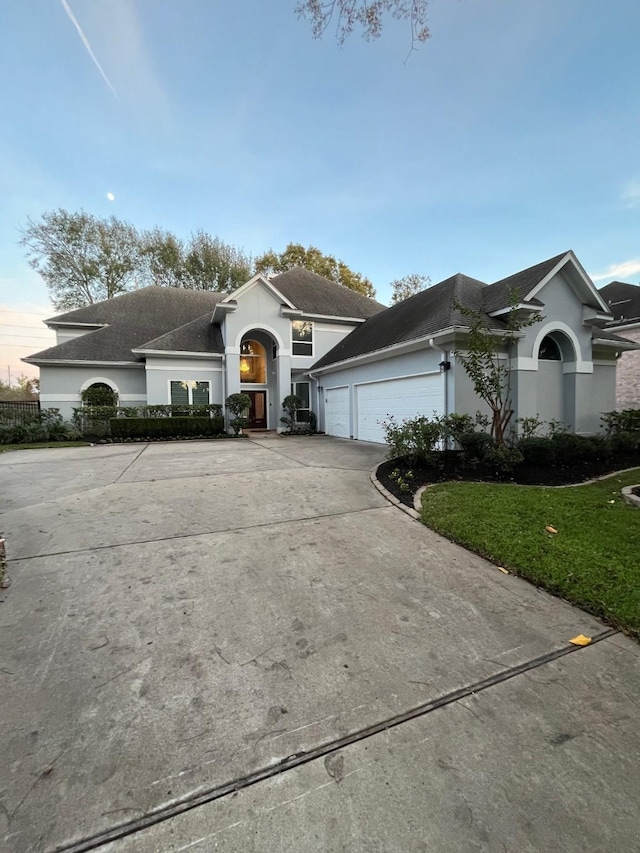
pixel 452 468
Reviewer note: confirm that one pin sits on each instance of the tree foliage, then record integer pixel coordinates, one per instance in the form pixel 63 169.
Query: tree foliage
pixel 311 258
pixel 486 360
pixel 211 264
pixel 84 259
pixel 365 14
pixel 409 285
pixel 81 258
pixel 25 389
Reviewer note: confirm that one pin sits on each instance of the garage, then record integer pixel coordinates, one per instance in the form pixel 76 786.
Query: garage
pixel 337 412
pixel 403 398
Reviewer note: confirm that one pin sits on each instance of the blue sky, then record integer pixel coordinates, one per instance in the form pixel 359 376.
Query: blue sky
pixel 511 135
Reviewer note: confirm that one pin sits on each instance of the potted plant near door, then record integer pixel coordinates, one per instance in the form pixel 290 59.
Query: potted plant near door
pixel 237 405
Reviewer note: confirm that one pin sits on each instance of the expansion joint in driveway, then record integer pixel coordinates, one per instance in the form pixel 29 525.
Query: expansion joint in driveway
pixel 90 548
pixel 189 802
pixel 133 461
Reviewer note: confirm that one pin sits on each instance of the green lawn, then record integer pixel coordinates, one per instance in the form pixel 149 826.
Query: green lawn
pixel 594 558
pixel 39 446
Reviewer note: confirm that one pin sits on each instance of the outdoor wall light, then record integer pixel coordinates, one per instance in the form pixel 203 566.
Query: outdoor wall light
pixel 444 365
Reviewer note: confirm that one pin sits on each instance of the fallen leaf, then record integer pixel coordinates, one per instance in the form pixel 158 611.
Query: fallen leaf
pixel 550 529
pixel 610 502
pixel 504 571
pixel 580 640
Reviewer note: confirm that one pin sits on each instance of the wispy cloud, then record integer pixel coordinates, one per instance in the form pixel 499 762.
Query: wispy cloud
pixel 619 271
pixel 85 42
pixel 631 193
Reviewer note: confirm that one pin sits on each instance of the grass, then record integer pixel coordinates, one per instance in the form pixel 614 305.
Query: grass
pixel 40 445
pixel 593 560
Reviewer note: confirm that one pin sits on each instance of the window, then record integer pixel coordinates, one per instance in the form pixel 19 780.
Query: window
pixel 302 337
pixel 253 362
pixel 189 393
pixel 549 350
pixel 301 389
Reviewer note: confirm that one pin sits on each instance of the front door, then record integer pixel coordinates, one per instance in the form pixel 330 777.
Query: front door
pixel 257 409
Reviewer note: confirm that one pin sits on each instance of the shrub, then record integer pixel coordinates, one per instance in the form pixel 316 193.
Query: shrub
pixel 237 404
pixel 99 394
pixel 626 421
pixel 537 450
pixel 624 443
pixel 476 445
pixel 46 425
pixel 570 448
pixel 182 427
pixel 416 439
pixel 291 404
pixel 528 427
pixel 502 459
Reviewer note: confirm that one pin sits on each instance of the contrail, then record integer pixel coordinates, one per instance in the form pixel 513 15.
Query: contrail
pixel 85 42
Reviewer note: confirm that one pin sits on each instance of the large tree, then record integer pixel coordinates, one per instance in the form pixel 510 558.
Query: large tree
pixel 211 264
pixel 366 14
pixel 162 258
pixel 311 258
pixel 82 259
pixel 409 285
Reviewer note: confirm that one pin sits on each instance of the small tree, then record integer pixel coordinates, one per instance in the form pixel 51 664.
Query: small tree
pixel 486 358
pixel 237 404
pixel 99 394
pixel 291 404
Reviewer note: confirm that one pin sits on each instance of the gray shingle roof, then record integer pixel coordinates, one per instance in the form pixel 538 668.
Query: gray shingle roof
pixel 499 293
pixel 623 300
pixel 426 313
pixel 314 294
pixel 197 336
pixel 132 318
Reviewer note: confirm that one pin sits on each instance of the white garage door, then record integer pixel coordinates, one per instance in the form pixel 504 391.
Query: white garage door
pixel 402 398
pixel 337 412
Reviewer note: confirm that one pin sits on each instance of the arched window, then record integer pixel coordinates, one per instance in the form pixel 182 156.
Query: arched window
pixel 99 394
pixel 549 350
pixel 253 362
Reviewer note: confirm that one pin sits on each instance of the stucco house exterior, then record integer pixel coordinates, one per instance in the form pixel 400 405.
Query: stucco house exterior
pixel 351 360
pixel 623 300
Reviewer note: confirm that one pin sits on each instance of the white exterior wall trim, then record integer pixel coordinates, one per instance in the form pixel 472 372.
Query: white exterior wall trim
pixel 581 365
pixel 165 353
pixel 103 380
pixel 68 362
pixel 401 376
pixel 182 368
pixel 75 398
pixel 257 327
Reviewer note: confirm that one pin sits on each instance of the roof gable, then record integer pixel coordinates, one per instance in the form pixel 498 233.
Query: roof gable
pixel 524 286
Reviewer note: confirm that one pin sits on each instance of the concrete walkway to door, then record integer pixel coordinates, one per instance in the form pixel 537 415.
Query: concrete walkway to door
pixel 241 646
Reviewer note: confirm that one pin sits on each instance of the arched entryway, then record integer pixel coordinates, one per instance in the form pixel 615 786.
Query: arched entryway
pixel 554 352
pixel 258 353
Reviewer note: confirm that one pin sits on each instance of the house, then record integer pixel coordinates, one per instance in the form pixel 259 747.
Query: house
pixel 402 361
pixel 623 301
pixel 351 360
pixel 160 345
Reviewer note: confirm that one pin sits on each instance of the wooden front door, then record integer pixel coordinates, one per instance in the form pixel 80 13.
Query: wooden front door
pixel 257 409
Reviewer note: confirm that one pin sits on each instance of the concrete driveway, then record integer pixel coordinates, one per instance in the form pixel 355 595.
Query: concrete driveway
pixel 241 646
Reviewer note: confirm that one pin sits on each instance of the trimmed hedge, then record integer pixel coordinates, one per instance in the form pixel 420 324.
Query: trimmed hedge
pixel 175 427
